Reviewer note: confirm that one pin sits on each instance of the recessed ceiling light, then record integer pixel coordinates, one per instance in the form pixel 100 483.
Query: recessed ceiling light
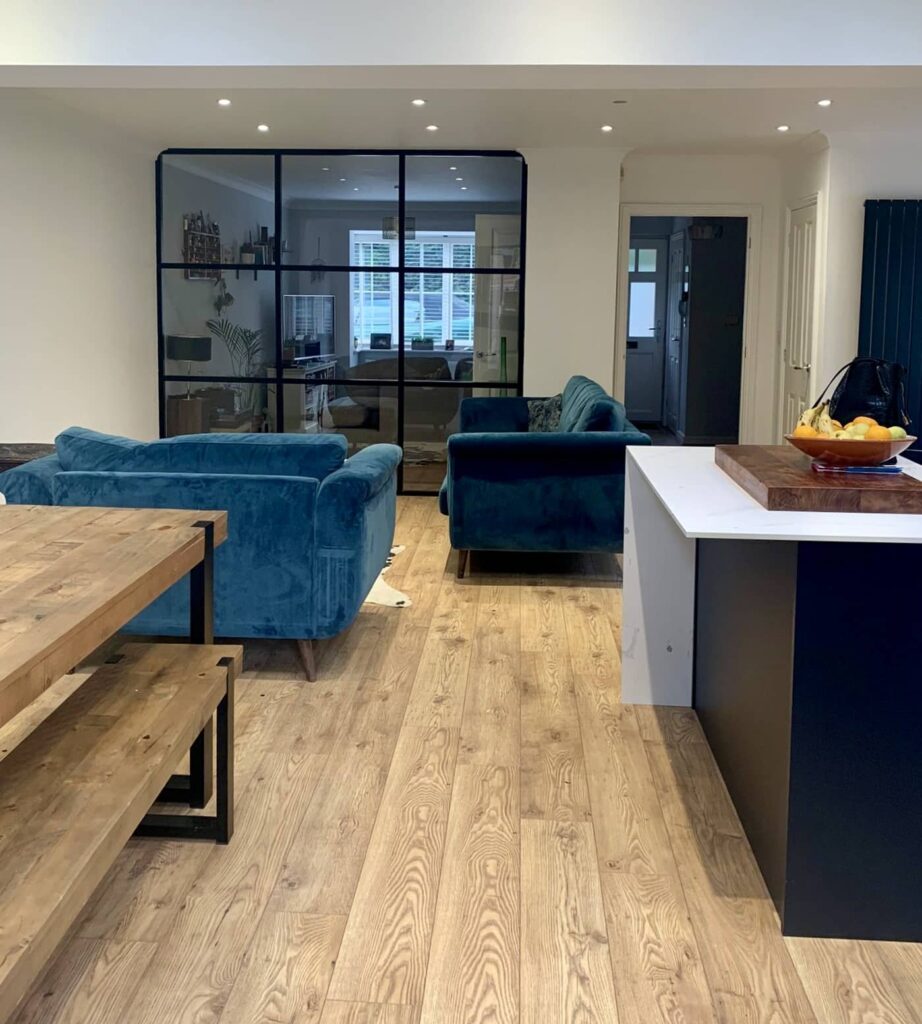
pixel 355 188
pixel 784 127
pixel 262 127
pixel 418 103
pixel 452 168
pixel 464 188
pixel 324 168
pixel 432 127
pixel 459 179
pixel 223 102
pixel 342 179
pixel 607 128
pixel 824 103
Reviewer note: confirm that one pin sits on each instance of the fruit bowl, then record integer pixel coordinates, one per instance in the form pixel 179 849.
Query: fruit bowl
pixel 836 451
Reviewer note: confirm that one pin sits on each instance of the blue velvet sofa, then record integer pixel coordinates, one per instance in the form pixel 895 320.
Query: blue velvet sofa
pixel 510 489
pixel 308 529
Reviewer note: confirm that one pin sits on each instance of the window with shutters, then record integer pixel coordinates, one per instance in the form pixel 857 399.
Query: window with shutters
pixel 438 305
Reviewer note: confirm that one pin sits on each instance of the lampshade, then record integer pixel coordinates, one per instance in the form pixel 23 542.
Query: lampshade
pixel 188 348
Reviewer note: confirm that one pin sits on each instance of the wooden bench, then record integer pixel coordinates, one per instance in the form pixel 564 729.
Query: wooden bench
pixel 77 788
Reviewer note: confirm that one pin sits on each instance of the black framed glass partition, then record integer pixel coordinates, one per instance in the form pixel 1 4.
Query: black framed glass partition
pixel 362 293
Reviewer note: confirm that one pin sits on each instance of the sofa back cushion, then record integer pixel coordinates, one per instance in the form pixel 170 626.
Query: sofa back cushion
pixel 586 406
pixel 314 456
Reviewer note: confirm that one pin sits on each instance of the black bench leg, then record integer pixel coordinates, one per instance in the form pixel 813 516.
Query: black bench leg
pixel 219 827
pixel 197 788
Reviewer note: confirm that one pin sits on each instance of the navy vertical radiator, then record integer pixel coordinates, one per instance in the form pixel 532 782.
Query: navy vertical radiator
pixel 890 322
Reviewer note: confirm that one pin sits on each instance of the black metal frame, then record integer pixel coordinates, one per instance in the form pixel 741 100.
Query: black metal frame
pixel 197 788
pixel 277 268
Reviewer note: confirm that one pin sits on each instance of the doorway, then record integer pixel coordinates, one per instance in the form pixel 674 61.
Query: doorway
pixel 685 320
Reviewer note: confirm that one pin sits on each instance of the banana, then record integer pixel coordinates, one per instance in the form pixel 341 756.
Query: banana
pixel 808 416
pixel 823 421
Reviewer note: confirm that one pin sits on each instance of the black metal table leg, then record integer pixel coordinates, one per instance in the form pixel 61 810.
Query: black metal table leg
pixel 218 827
pixel 197 788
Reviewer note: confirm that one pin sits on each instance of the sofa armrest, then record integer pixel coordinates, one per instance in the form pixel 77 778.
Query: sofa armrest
pixel 31 483
pixel 525 453
pixel 501 415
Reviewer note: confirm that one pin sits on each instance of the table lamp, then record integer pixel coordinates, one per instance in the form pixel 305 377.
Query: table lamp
pixel 189 349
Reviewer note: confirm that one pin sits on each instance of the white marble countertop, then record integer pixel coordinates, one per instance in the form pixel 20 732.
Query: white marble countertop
pixel 706 503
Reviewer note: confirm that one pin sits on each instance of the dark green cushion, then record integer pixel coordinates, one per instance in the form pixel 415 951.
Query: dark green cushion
pixel 586 406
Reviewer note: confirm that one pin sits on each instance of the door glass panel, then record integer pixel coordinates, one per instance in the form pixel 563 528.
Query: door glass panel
pixel 202 407
pixel 326 199
pixel 642 309
pixel 218 208
pixel 646 261
pixel 464 211
pixel 340 319
pixel 363 413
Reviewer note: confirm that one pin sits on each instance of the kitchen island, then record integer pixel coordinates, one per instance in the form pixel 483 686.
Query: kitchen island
pixel 795 637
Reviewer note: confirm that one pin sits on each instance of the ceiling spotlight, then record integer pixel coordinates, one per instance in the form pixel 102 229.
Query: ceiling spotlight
pixel 607 128
pixel 324 168
pixel 342 179
pixel 459 179
pixel 784 127
pixel 464 188
pixel 224 102
pixel 355 188
pixel 432 127
pixel 262 127
pixel 452 168
pixel 418 103
pixel 824 103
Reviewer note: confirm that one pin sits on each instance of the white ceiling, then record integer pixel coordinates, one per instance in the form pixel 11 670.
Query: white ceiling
pixel 722 119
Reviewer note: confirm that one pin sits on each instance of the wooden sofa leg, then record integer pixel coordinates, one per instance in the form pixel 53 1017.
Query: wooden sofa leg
pixel 308 660
pixel 462 562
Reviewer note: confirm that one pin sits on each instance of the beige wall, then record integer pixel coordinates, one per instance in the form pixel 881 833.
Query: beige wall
pixel 678 179
pixel 571 268
pixel 77 284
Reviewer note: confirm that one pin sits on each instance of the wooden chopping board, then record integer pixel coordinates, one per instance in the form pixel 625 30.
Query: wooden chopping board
pixel 780 478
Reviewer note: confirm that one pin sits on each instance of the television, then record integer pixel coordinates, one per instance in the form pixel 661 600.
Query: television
pixel 308 325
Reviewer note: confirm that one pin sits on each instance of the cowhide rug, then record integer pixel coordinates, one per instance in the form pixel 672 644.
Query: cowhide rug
pixel 382 592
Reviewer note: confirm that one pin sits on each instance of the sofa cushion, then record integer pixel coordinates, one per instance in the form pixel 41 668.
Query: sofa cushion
pixel 544 414
pixel 586 406
pixel 31 483
pixel 312 456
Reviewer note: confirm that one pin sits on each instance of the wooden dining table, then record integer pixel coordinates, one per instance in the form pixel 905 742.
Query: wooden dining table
pixel 71 578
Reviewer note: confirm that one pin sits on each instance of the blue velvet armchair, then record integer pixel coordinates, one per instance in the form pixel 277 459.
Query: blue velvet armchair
pixel 308 529
pixel 511 489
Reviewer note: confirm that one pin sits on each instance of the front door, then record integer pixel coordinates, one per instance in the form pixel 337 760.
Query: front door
pixel 645 338
pixel 799 317
pixel 676 309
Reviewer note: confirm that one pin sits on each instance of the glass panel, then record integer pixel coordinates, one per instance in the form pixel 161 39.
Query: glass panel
pixel 646 261
pixel 462 327
pixel 363 413
pixel 430 418
pixel 341 320
pixel 199 407
pixel 221 328
pixel 642 309
pixel 632 260
pixel 325 199
pixel 463 211
pixel 218 208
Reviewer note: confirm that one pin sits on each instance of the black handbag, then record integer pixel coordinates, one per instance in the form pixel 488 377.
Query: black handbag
pixel 869 387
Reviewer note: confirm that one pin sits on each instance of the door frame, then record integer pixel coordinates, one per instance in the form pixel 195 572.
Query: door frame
pixel 660 279
pixel 753 215
pixel 816 199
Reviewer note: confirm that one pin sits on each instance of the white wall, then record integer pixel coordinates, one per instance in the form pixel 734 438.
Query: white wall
pixel 292 32
pixel 571 266
pixel 678 180
pixel 77 286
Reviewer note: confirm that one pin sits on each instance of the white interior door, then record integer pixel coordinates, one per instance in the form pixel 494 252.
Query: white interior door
pixel 497 242
pixel 799 317
pixel 646 307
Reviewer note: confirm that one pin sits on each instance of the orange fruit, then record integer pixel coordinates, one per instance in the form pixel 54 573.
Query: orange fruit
pixel 871 422
pixel 876 433
pixel 803 430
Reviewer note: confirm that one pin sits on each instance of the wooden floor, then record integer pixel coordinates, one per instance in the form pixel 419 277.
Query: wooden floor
pixel 460 823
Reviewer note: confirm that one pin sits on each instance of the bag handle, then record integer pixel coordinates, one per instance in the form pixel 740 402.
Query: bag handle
pixel 837 374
